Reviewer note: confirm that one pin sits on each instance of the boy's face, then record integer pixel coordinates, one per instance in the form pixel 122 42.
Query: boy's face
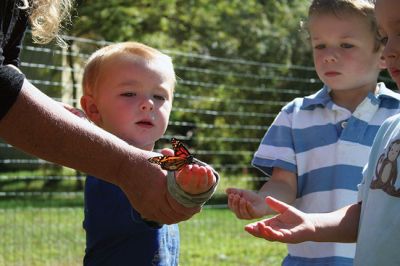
pixel 388 17
pixel 134 101
pixel 343 50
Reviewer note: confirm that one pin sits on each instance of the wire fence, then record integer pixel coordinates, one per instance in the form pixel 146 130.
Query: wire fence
pixel 222 108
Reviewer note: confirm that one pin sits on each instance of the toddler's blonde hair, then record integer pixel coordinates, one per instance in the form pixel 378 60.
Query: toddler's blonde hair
pixel 118 51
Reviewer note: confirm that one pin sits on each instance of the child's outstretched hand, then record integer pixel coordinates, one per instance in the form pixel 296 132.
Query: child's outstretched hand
pixel 193 179
pixel 289 226
pixel 246 204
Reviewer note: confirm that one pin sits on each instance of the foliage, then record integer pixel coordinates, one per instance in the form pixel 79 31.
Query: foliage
pixel 264 32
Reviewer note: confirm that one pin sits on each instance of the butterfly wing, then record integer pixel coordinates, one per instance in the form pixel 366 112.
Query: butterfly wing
pixel 170 163
pixel 179 149
pixel 181 157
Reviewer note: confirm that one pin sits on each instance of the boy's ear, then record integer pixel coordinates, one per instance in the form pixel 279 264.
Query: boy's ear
pixel 89 106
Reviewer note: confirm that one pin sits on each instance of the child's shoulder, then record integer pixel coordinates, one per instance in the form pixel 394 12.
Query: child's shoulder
pixel 387 93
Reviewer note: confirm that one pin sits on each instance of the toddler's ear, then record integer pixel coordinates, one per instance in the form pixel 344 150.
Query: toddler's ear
pixel 89 106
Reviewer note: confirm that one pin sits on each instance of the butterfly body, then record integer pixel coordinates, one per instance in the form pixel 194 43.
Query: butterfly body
pixel 176 162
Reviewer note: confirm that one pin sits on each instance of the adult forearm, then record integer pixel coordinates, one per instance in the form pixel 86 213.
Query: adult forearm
pixel 40 126
pixel 338 226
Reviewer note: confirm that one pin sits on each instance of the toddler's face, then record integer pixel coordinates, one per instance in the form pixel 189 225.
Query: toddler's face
pixel 388 17
pixel 343 50
pixel 134 100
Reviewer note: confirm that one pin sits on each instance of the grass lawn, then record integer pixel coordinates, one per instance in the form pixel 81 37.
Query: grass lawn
pixel 54 236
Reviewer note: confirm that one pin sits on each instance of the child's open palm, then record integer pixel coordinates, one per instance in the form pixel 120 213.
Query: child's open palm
pixel 289 226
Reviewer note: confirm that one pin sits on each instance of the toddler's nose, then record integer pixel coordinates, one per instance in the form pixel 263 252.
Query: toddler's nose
pixel 147 105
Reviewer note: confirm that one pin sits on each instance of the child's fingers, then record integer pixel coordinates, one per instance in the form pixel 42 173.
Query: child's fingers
pixel 244 213
pixel 251 211
pixel 253 229
pixel 233 191
pixel 277 205
pixel 233 203
pixel 262 230
pixel 230 199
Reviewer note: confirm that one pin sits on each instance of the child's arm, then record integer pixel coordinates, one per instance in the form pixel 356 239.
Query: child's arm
pixel 247 204
pixel 294 226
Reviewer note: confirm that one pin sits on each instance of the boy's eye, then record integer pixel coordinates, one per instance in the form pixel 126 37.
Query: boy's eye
pixel 383 40
pixel 128 94
pixel 319 46
pixel 346 45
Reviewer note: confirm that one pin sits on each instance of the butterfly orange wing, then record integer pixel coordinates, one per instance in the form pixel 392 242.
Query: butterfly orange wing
pixel 170 163
pixel 181 157
pixel 179 149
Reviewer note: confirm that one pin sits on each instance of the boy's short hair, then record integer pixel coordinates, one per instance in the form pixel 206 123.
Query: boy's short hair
pixel 361 8
pixel 116 51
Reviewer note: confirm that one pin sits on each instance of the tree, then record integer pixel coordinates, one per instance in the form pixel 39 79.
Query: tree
pixel 219 84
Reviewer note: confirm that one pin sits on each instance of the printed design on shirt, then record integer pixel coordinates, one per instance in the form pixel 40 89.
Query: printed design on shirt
pixel 386 170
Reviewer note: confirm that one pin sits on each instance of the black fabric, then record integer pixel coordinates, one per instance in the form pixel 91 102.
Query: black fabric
pixel 13 24
pixel 10 85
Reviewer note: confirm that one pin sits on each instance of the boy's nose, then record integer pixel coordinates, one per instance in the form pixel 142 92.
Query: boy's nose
pixel 330 58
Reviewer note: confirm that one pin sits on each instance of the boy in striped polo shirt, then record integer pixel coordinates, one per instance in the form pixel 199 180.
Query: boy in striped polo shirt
pixel 374 220
pixel 315 149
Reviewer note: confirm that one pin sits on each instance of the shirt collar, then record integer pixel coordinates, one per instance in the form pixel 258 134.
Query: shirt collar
pixel 322 97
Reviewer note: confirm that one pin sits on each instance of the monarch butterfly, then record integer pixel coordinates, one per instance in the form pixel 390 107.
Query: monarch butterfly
pixel 181 157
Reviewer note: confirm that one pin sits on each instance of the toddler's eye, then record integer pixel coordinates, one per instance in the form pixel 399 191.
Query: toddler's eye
pixel 128 94
pixel 346 45
pixel 159 97
pixel 319 46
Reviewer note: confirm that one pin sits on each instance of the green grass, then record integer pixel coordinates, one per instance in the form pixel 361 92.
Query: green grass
pixel 43 226
pixel 216 237
pixel 54 236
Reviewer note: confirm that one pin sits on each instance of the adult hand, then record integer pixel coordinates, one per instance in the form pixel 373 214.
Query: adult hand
pixel 246 204
pixel 193 178
pixel 146 189
pixel 289 226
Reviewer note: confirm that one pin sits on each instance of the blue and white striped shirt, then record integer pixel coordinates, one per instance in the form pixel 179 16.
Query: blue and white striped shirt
pixel 326 146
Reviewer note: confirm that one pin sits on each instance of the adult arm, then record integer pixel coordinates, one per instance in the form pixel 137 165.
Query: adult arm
pixel 294 226
pixel 40 126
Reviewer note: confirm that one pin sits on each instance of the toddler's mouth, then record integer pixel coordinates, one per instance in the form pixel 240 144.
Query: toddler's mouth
pixel 145 123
